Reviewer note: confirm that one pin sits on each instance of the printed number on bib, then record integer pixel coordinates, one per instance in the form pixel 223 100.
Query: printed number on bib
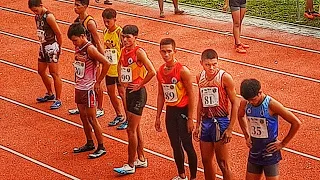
pixel 170 92
pixel 79 68
pixel 111 55
pixel 258 127
pixel 126 74
pixel 210 96
pixel 40 34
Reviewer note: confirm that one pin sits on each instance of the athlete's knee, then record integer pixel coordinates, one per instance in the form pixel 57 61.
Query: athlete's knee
pixel 224 165
pixel 42 72
pixel 54 75
pixel 236 24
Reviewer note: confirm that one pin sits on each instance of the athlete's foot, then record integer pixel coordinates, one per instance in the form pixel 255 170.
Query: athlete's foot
pixel 244 45
pixel 116 121
pixel 97 153
pixel 107 2
pixel 162 14
pixel 308 15
pixel 240 49
pixel 180 178
pixel 141 164
pixel 46 97
pixel 178 11
pixel 99 113
pixel 86 147
pixel 74 111
pixel 123 126
pixel 125 169
pixel 315 14
pixel 56 105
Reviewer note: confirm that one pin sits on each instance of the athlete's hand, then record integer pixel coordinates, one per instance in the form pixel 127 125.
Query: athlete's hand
pixel 225 8
pixel 190 125
pixel 274 146
pixel 226 136
pixel 134 87
pixel 196 134
pixel 97 86
pixel 249 142
pixel 157 125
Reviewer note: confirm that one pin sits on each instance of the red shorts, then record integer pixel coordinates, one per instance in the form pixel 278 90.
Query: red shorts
pixel 86 97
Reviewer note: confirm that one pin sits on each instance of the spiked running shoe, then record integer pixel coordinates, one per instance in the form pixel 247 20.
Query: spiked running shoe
pixel 74 111
pixel 46 98
pixel 125 169
pixel 123 126
pixel 308 15
pixel 99 113
pixel 240 49
pixel 116 121
pixel 180 178
pixel 141 164
pixel 244 45
pixel 97 153
pixel 107 2
pixel 56 105
pixel 84 148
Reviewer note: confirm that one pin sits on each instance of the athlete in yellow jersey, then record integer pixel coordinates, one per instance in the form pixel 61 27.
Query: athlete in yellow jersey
pixel 112 44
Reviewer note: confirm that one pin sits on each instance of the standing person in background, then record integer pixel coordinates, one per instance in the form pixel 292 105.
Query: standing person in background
pixel 258 119
pixel 238 11
pixel 112 42
pixel 176 8
pixel 80 7
pixel 50 49
pixel 175 89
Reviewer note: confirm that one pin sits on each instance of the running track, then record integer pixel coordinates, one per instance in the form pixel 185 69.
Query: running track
pixel 36 142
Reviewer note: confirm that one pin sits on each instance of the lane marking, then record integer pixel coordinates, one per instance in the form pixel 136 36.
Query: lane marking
pixel 163 111
pixel 38 162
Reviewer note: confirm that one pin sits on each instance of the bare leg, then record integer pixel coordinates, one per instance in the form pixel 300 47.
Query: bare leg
pixel 54 72
pixel 132 131
pixel 42 66
pixel 207 154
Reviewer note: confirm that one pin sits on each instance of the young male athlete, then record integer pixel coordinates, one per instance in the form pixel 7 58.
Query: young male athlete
pixel 216 89
pixel 135 71
pixel 258 119
pixel 112 43
pixel 86 62
pixel 90 25
pixel 50 48
pixel 238 11
pixel 175 89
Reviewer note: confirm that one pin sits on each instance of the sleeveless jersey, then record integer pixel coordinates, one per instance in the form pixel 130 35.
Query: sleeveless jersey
pixel 112 43
pixel 132 71
pixel 215 102
pixel 44 32
pixel 175 93
pixel 85 25
pixel 85 69
pixel 263 130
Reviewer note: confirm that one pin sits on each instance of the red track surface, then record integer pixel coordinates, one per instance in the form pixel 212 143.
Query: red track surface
pixel 50 140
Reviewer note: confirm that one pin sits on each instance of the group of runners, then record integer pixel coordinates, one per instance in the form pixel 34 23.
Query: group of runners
pixel 126 69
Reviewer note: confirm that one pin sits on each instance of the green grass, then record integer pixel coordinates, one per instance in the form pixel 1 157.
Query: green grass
pixel 280 10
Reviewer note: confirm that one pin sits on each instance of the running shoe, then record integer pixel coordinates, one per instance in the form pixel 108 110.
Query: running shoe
pixel 123 126
pixel 308 15
pixel 315 14
pixel 56 105
pixel 74 111
pixel 141 164
pixel 46 98
pixel 84 148
pixel 107 2
pixel 99 113
pixel 162 14
pixel 180 178
pixel 116 121
pixel 240 49
pixel 125 169
pixel 245 45
pixel 97 1
pixel 178 12
pixel 97 153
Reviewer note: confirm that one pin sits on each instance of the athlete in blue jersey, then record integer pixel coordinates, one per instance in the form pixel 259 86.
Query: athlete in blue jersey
pixel 258 119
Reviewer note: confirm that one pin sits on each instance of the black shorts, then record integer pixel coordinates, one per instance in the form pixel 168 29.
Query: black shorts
pixel 237 4
pixel 136 101
pixel 112 80
pixel 49 53
pixel 269 171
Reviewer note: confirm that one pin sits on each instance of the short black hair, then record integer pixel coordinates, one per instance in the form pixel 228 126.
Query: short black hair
pixel 84 2
pixel 250 88
pixel 130 29
pixel 209 54
pixel 76 29
pixel 167 41
pixel 34 3
pixel 109 13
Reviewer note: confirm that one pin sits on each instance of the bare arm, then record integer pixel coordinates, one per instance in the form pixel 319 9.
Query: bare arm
pixel 187 82
pixel 199 106
pixel 232 94
pixel 96 55
pixel 160 103
pixel 242 119
pixel 151 72
pixel 92 27
pixel 51 20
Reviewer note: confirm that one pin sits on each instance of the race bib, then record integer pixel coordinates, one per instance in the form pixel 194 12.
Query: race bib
pixel 126 74
pixel 111 55
pixel 41 36
pixel 170 92
pixel 258 127
pixel 210 96
pixel 79 68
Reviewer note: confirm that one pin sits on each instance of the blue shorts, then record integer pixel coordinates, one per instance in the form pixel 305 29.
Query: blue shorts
pixel 212 129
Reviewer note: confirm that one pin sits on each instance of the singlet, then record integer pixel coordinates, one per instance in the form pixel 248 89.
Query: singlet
pixel 85 25
pixel 132 71
pixel 175 93
pixel 112 43
pixel 85 70
pixel 44 32
pixel 263 130
pixel 215 102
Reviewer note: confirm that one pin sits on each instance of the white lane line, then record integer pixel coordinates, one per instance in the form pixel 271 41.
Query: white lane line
pixel 80 126
pixel 163 111
pixel 38 162
pixel 203 29
pixel 192 52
